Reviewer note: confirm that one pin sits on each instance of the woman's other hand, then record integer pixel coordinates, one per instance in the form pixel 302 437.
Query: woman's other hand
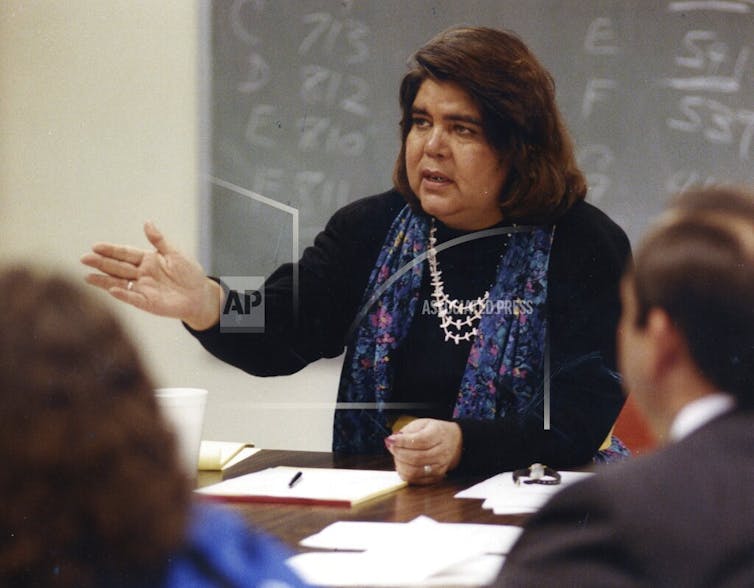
pixel 164 282
pixel 425 450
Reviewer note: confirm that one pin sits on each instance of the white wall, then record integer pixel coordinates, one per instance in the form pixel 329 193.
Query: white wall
pixel 99 132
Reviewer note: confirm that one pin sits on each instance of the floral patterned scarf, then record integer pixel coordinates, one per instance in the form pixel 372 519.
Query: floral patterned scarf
pixel 503 340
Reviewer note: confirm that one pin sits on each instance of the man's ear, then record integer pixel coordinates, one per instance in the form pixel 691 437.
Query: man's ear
pixel 667 343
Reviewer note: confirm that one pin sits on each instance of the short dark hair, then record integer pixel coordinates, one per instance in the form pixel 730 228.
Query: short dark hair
pixel 521 121
pixel 698 266
pixel 90 481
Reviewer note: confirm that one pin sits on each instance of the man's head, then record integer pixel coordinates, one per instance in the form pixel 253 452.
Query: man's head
pixel 689 303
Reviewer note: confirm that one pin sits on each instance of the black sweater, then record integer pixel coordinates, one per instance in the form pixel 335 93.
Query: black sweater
pixel 588 255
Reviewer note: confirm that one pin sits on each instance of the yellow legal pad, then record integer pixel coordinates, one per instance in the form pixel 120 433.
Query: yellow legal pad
pixel 219 455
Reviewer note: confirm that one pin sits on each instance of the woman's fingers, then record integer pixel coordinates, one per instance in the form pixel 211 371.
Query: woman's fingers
pixel 425 450
pixel 425 473
pixel 106 282
pixel 160 281
pixel 118 288
pixel 125 253
pixel 157 239
pixel 418 466
pixel 111 266
pixel 131 297
pixel 411 449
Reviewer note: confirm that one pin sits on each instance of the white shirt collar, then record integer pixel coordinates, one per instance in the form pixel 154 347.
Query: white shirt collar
pixel 699 412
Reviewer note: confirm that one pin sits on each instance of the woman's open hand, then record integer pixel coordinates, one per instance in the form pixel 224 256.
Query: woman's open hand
pixel 425 450
pixel 164 282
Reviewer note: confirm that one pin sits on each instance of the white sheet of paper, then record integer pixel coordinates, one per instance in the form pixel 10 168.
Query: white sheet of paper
pixel 503 496
pixel 357 535
pixel 421 551
pixel 357 569
pixel 504 482
pixel 400 554
pixel 520 505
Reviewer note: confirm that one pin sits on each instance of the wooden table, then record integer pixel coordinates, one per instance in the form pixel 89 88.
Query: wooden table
pixel 293 522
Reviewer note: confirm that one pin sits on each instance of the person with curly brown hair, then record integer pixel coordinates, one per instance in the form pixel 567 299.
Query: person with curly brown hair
pixel 91 488
pixel 476 301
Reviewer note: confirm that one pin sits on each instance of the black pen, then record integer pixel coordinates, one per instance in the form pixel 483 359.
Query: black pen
pixel 295 479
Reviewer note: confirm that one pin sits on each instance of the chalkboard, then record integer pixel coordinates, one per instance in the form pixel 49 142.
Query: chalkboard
pixel 302 107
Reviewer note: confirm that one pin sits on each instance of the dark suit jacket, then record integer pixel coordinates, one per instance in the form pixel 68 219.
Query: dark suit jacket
pixel 681 517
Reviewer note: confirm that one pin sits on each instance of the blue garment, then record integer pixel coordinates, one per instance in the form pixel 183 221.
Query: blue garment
pixel 505 339
pixel 221 551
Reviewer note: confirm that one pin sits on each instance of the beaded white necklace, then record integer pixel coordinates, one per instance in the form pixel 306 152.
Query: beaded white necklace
pixel 470 311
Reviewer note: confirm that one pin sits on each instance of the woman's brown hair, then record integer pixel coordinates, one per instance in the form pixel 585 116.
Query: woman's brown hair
pixel 516 96
pixel 90 483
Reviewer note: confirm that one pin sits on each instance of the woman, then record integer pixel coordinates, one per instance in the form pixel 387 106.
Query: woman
pixel 91 486
pixel 445 290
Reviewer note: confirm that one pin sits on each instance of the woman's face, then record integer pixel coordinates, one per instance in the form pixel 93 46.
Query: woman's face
pixel 453 170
